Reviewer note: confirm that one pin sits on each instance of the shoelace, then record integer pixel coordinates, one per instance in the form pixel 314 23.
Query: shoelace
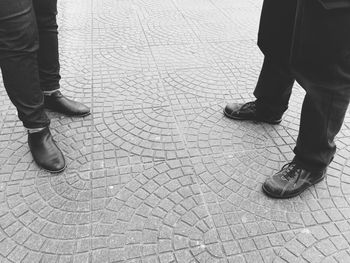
pixel 290 170
pixel 249 105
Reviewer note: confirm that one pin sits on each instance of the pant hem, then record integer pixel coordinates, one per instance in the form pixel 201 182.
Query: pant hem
pixel 51 88
pixel 308 167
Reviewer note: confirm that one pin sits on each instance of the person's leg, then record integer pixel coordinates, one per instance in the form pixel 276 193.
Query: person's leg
pixel 321 119
pixel 321 64
pixel 18 62
pixel 272 94
pixel 48 59
pixel 276 29
pixel 48 55
pixel 276 80
pixel 274 87
pixel 275 36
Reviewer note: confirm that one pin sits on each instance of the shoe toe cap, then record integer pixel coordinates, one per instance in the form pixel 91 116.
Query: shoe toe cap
pixel 231 108
pixel 59 166
pixel 272 188
pixel 82 109
pixel 55 165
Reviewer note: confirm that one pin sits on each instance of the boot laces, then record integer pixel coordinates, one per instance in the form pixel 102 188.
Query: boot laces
pixel 290 171
pixel 249 106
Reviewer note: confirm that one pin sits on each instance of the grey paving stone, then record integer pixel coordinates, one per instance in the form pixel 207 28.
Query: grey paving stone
pixel 219 32
pixel 170 34
pixel 124 59
pixel 74 15
pixel 141 135
pixel 162 17
pixel 238 5
pixel 142 219
pixel 134 90
pixel 154 5
pixel 182 56
pixel 125 38
pixel 76 63
pixel 115 14
pixel 75 39
pixel 207 131
pixel 236 55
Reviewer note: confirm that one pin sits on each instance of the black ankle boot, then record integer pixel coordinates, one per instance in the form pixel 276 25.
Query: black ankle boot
pixel 59 103
pixel 45 151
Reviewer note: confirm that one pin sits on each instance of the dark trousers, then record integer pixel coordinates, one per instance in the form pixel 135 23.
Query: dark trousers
pixel 29 56
pixel 302 41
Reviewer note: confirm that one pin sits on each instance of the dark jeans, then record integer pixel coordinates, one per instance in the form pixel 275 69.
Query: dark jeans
pixel 29 56
pixel 320 62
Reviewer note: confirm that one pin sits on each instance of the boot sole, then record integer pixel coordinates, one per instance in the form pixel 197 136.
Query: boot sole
pixel 292 195
pixel 55 172
pixel 251 119
pixel 82 115
pixel 69 115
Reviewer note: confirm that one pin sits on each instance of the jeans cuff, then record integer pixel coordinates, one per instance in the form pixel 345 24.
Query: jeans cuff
pixel 49 92
pixel 50 88
pixel 37 125
pixel 33 130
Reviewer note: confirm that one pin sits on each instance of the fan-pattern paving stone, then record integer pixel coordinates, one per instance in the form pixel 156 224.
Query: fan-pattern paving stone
pixel 157 174
pixel 145 134
pixel 134 90
pixel 184 56
pixel 122 37
pixel 207 83
pixel 123 59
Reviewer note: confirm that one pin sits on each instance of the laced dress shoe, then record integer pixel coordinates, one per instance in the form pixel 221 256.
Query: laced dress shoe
pixel 59 103
pixel 45 151
pixel 291 180
pixel 248 111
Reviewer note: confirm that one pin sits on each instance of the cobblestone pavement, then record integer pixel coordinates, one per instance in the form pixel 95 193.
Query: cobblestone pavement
pixel 157 174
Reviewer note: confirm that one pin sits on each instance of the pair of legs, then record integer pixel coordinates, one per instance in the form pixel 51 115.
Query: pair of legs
pixel 315 52
pixel 304 42
pixel 30 68
pixel 322 113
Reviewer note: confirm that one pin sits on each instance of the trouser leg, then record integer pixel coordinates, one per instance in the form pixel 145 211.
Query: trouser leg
pixel 18 61
pixel 321 61
pixel 275 83
pixel 48 55
pixel 276 29
pixel 21 80
pixel 321 119
pixel 274 87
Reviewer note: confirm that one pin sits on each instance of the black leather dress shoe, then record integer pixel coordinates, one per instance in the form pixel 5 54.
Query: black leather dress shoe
pixel 59 103
pixel 45 151
pixel 291 181
pixel 248 111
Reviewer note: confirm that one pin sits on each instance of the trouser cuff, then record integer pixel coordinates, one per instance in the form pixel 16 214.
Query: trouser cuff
pixel 49 92
pixel 314 168
pixel 48 87
pixel 33 130
pixel 268 109
pixel 37 124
